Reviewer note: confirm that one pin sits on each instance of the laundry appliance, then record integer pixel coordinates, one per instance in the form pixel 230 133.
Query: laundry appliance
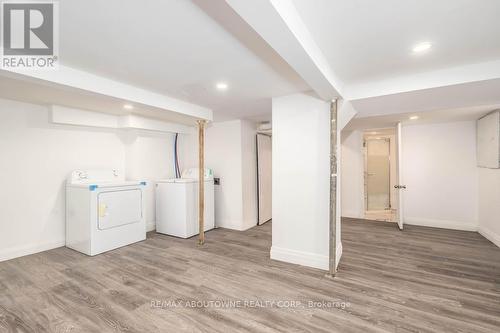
pixel 103 211
pixel 177 204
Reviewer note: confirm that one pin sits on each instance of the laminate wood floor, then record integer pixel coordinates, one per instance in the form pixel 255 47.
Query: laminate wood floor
pixel 418 280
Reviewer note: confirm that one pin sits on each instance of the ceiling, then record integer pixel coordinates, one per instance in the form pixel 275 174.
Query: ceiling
pixel 183 48
pixel 177 48
pixel 466 95
pixel 366 40
pixel 39 92
pixel 427 117
pixel 380 133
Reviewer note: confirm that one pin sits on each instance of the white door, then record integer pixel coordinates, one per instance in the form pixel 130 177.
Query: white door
pixel 400 187
pixel 264 179
pixel 118 208
pixel 378 174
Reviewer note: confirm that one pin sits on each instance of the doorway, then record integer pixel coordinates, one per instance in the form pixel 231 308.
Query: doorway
pixel 380 175
pixel 264 178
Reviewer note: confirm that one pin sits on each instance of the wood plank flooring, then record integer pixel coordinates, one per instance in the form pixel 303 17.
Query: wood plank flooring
pixel 418 280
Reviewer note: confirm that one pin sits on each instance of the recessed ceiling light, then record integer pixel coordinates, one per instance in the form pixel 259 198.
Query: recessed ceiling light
pixel 128 106
pixel 221 86
pixel 422 47
pixel 414 117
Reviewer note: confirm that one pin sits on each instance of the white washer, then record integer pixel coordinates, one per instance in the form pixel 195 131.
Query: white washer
pixel 177 204
pixel 103 211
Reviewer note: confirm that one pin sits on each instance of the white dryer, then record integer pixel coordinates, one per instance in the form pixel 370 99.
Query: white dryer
pixel 177 204
pixel 103 211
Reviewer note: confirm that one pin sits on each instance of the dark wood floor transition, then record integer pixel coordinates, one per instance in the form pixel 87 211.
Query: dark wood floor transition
pixel 418 280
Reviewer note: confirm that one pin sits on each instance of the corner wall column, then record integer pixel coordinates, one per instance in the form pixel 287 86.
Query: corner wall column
pixel 201 180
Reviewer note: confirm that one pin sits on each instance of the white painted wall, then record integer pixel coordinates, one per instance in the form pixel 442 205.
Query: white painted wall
pixel 352 174
pixel 439 170
pixel 249 172
pixel 489 204
pixel 223 155
pixel 149 157
pixel 36 157
pixel 230 152
pixel 301 180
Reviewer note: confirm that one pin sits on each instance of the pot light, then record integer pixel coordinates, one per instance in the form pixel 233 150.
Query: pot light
pixel 128 106
pixel 221 86
pixel 422 47
pixel 414 117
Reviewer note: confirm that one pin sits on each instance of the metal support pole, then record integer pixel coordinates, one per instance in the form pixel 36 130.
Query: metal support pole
pixel 201 180
pixel 332 269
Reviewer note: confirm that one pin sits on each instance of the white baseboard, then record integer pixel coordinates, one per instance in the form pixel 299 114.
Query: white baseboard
pixel 233 226
pixel 150 226
pixel 490 235
pixel 299 257
pixel 445 224
pixel 339 254
pixel 352 215
pixel 20 251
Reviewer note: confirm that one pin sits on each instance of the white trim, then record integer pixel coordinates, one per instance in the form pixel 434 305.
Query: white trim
pixel 489 235
pixel 445 224
pixel 239 226
pixel 298 257
pixel 339 254
pixel 21 251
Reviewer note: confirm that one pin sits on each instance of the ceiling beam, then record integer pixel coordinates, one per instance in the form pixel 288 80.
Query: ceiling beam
pixel 422 81
pixel 69 78
pixel 281 26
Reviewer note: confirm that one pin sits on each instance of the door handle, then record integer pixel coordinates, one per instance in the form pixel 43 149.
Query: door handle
pixel 400 187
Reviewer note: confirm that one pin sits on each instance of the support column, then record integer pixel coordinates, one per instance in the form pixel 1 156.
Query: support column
pixel 332 260
pixel 201 181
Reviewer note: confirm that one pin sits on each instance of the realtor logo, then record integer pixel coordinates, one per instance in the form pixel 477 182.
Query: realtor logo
pixel 29 35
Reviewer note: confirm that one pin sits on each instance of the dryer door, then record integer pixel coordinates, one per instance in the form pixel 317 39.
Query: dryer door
pixel 116 208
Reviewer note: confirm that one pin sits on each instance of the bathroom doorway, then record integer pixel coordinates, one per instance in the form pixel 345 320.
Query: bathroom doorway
pixel 380 175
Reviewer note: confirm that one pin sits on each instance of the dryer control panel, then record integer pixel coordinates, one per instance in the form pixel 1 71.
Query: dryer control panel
pixel 95 176
pixel 192 173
